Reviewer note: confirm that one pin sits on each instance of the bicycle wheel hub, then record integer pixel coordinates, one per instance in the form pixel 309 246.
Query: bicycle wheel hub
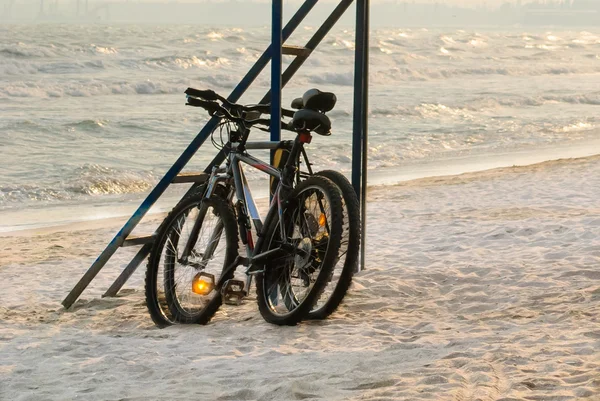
pixel 305 248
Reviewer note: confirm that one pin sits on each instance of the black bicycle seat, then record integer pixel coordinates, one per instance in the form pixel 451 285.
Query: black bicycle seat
pixel 315 100
pixel 297 103
pixel 311 120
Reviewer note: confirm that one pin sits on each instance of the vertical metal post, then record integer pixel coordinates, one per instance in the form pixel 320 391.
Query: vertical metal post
pixel 365 137
pixel 361 107
pixel 276 44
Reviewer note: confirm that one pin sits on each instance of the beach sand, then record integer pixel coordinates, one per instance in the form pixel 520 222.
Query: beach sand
pixel 481 286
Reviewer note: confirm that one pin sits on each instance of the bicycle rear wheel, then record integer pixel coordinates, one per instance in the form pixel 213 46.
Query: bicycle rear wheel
pixel 347 263
pixel 309 239
pixel 197 241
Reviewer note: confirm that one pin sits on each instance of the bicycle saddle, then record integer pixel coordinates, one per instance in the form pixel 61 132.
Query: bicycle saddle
pixel 315 100
pixel 311 120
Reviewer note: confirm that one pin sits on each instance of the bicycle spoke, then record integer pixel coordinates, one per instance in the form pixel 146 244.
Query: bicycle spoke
pixel 199 233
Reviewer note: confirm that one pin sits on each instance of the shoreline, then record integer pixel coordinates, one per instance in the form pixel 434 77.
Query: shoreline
pixel 53 218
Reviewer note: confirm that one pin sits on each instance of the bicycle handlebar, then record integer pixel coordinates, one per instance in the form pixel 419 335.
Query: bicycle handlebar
pixel 214 107
pixel 212 96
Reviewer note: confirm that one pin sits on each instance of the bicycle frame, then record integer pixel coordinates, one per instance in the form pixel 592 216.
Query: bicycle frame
pixel 246 208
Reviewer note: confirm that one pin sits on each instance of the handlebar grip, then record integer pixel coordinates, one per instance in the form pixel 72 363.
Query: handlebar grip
pixel 204 94
pixel 210 106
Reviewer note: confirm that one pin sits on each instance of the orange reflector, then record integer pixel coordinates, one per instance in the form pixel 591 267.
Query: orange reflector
pixel 203 284
pixel 305 137
pixel 322 220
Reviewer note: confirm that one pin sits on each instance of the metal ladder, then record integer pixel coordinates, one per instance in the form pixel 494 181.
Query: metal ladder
pixel 272 54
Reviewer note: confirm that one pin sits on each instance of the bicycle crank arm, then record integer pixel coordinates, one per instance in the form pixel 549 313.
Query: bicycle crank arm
pixel 239 261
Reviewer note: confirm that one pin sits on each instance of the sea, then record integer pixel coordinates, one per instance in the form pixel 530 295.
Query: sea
pixel 92 115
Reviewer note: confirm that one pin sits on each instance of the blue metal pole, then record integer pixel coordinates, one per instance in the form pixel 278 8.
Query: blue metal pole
pixel 360 127
pixel 365 137
pixel 276 44
pixel 359 76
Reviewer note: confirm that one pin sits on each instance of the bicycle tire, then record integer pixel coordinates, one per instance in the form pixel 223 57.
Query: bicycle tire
pixel 331 298
pixel 270 281
pixel 164 306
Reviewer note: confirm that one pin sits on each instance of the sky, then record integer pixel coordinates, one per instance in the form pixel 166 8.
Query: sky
pixel 220 10
pixel 471 3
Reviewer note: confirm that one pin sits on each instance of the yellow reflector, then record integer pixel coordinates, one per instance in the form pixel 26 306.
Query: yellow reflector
pixel 202 284
pixel 322 220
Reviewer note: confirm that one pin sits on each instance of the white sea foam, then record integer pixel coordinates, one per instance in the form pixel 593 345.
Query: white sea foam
pixel 89 179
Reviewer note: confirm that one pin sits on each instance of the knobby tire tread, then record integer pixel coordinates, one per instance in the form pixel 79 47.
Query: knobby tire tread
pixel 351 261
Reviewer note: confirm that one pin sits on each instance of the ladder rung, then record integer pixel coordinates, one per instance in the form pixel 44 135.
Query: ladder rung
pixel 190 177
pixel 133 241
pixel 295 51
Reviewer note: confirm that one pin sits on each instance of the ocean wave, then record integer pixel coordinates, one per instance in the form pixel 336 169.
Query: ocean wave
pixel 50 68
pixel 333 78
pixel 592 99
pixel 382 76
pixel 93 88
pixel 87 180
pixel 465 111
pixel 88 124
pixel 103 50
pixel 94 179
pixel 21 51
pixel 23 67
pixel 426 111
pixel 576 127
pixel 185 62
pixel 225 72
pixel 22 193
pixel 432 74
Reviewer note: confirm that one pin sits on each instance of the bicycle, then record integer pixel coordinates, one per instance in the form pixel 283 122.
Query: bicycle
pixel 297 246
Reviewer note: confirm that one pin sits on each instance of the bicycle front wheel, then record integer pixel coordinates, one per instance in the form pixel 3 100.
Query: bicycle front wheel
pixel 197 241
pixel 308 237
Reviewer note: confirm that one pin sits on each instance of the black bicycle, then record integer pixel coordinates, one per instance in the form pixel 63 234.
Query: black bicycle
pixel 191 267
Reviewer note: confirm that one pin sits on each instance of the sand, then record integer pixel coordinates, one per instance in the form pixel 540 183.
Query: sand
pixel 481 286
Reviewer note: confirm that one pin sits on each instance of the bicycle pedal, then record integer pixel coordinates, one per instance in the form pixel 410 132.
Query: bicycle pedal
pixel 233 292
